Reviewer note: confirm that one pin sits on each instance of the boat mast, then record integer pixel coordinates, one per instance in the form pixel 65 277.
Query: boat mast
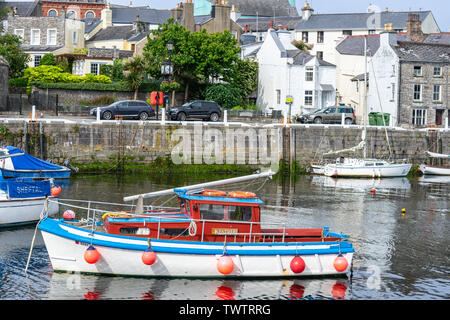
pixel 268 173
pixel 365 96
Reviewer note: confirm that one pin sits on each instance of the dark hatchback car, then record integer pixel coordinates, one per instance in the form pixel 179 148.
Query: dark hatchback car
pixel 126 109
pixel 198 109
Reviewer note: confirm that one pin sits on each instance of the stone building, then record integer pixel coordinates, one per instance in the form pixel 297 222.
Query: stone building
pixel 218 19
pixel 41 35
pixel 4 67
pixel 410 80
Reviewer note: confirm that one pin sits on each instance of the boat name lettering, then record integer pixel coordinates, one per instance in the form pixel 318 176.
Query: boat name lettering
pixel 224 231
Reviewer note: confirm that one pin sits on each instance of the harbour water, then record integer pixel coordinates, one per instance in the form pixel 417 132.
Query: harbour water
pixel 397 256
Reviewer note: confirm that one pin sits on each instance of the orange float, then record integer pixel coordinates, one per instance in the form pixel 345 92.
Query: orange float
pixel 241 194
pixel 91 255
pixel 149 257
pixel 214 193
pixel 298 265
pixel 225 265
pixel 340 263
pixel 54 191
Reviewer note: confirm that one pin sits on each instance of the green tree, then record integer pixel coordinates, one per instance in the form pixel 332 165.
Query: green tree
pixel 48 59
pixel 224 94
pixel 3 15
pixel 196 56
pixel 245 78
pixel 136 70
pixel 114 71
pixel 10 49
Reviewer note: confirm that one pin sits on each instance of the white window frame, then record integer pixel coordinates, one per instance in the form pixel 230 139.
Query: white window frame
pixel 309 74
pixel 20 33
pixel 35 41
pixel 56 13
pixel 420 92
pixel 419 117
pixel 440 72
pixel 38 57
pixel 309 94
pixel 98 68
pixel 417 74
pixel 48 37
pixel 439 92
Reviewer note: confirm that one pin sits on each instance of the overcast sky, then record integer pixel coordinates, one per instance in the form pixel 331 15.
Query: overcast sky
pixel 440 8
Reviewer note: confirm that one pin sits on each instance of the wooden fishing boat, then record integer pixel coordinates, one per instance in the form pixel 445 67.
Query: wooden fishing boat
pixel 211 234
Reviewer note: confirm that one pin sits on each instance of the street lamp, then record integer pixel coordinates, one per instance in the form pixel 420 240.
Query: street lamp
pixel 166 71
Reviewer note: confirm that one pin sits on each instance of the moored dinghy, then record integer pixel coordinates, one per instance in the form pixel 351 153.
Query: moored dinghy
pixel 212 234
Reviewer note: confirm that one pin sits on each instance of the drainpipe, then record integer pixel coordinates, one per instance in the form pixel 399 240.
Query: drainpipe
pixel 399 88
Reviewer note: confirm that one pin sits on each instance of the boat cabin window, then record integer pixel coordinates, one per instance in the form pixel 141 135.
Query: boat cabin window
pixel 369 164
pixel 223 212
pixel 379 164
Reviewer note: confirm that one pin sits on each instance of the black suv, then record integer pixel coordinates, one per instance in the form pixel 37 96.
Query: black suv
pixel 199 109
pixel 127 109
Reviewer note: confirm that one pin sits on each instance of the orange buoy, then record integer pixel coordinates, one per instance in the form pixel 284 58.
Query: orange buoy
pixel 340 263
pixel 69 215
pixel 225 265
pixel 54 191
pixel 149 257
pixel 91 255
pixel 373 190
pixel 241 194
pixel 215 193
pixel 298 265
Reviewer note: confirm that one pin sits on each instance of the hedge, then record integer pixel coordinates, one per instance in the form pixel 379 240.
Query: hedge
pixel 116 86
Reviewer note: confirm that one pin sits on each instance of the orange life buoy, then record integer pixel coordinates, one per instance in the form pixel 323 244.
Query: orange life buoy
pixel 241 194
pixel 216 193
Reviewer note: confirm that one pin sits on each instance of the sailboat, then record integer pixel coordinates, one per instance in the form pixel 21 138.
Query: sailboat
pixel 365 167
pixel 435 170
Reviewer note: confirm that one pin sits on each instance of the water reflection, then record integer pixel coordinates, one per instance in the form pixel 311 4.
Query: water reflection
pixel 69 286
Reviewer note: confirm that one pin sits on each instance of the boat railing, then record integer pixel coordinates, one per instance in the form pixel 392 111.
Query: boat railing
pixel 95 215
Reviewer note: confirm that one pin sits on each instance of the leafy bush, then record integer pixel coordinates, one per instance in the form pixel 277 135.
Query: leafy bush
pixel 18 82
pixel 225 95
pixel 48 59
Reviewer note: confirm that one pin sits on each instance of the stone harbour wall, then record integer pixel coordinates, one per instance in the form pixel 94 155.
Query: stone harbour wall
pixel 200 142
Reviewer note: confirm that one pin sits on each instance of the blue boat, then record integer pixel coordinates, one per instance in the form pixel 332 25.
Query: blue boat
pixel 14 163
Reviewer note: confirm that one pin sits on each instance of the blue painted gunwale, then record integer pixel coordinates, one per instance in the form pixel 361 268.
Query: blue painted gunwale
pixel 57 174
pixel 194 247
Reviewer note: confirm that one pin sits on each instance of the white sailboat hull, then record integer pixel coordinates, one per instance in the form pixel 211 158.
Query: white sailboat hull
pixel 391 170
pixel 441 171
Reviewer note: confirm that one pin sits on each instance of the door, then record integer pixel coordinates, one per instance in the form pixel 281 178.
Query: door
pixel 122 108
pixel 329 115
pixel 195 110
pixel 439 113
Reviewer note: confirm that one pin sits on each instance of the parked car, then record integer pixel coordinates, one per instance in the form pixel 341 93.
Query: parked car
pixel 127 109
pixel 199 109
pixel 304 118
pixel 333 115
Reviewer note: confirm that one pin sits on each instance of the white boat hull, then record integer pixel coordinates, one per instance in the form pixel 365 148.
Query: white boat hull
pixel 441 171
pixel 123 256
pixel 317 169
pixel 23 211
pixel 392 170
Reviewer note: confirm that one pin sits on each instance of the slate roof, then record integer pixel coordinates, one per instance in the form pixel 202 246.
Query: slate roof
pixel 354 21
pixel 263 23
pixel 24 9
pixel 268 8
pixel 41 48
pixel 354 45
pixel 90 24
pixel 113 33
pixel 423 52
pixel 126 15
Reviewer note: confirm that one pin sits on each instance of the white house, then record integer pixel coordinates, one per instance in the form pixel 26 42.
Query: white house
pixel 325 31
pixel 287 72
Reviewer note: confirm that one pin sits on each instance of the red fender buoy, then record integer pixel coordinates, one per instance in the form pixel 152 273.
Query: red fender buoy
pixel 91 255
pixel 298 265
pixel 149 257
pixel 54 191
pixel 69 215
pixel 225 265
pixel 340 263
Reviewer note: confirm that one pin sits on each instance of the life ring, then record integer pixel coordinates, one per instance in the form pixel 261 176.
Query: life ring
pixel 215 193
pixel 241 194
